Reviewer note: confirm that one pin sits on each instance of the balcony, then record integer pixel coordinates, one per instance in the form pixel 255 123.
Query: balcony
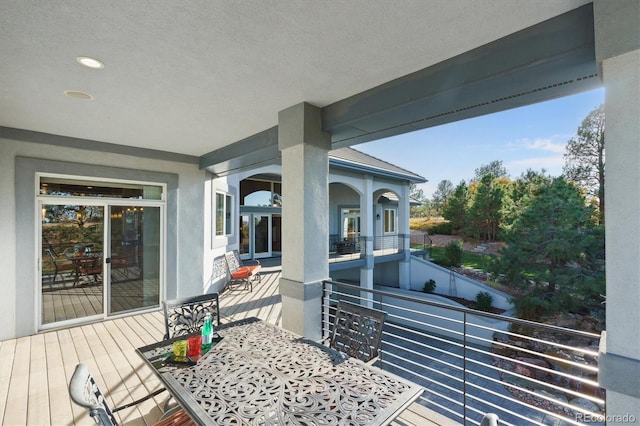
pixel 353 249
pixel 464 359
pixel 35 370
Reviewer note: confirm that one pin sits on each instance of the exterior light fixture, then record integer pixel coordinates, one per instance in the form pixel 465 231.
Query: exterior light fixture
pixel 90 62
pixel 75 94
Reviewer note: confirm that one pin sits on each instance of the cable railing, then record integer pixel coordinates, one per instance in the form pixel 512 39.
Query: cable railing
pixel 341 249
pixel 353 248
pixel 421 242
pixel 471 362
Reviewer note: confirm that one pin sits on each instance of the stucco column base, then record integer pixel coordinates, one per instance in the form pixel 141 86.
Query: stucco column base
pixel 302 307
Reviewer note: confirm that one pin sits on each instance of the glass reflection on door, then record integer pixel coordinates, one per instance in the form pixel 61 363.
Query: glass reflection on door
pixel 351 224
pixel 134 258
pixel 276 234
pixel 244 246
pixel 261 235
pixel 72 284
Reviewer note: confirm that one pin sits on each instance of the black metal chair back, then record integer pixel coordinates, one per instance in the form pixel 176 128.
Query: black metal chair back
pixel 357 331
pixel 186 315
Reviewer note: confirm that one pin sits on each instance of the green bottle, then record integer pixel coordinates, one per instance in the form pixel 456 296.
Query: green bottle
pixel 207 332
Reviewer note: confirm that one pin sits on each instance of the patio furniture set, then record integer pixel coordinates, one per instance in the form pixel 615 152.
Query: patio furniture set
pixel 257 373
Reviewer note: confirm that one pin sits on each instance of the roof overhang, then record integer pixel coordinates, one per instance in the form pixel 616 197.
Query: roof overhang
pixel 365 169
pixel 549 60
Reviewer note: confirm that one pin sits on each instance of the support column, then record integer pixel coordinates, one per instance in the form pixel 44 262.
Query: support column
pixel 617 37
pixel 404 236
pixel 367 221
pixel 305 217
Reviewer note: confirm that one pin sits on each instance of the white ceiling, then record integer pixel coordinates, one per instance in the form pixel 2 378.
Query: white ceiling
pixel 193 76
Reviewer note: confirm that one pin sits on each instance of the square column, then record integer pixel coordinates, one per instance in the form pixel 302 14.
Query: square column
pixel 618 55
pixel 305 217
pixel 404 234
pixel 367 220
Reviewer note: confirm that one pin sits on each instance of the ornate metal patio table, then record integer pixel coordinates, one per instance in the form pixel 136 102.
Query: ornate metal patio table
pixel 259 374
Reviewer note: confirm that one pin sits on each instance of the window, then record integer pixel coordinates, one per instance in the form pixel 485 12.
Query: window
pixel 260 193
pixel 58 186
pixel 224 210
pixel 389 220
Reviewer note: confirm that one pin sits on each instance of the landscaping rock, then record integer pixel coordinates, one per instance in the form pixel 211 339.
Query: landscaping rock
pixel 585 403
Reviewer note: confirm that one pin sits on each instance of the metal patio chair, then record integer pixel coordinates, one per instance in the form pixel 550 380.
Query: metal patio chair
pixel 60 265
pixel 186 315
pixel 242 273
pixel 357 331
pixel 85 392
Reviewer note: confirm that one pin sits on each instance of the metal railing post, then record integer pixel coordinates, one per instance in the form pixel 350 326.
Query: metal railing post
pixel 464 366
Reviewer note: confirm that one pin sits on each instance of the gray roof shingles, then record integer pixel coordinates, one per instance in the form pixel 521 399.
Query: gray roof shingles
pixel 361 159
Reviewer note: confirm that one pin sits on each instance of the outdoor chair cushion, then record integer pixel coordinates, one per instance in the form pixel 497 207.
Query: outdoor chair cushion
pixel 240 273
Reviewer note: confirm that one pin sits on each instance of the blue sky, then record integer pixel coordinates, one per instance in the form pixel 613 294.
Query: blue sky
pixel 531 137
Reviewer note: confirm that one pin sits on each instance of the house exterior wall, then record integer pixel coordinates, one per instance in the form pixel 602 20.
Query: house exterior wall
pixel 387 274
pixel 215 245
pixel 345 189
pixel 19 160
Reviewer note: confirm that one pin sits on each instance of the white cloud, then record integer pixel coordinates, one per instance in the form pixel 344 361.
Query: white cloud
pixel 555 144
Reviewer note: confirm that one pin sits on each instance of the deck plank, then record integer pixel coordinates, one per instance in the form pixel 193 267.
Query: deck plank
pixel 7 352
pixel 38 407
pixel 18 393
pixel 59 402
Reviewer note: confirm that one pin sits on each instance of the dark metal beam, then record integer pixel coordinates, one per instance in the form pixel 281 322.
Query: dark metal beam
pixel 552 59
pixel 257 150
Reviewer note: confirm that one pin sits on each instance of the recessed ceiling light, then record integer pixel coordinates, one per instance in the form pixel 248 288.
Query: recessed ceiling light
pixel 78 95
pixel 90 62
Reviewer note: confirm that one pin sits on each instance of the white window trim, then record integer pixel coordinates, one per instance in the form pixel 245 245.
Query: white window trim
pixel 394 229
pixel 227 211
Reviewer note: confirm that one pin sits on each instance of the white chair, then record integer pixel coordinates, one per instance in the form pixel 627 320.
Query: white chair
pixel 490 419
pixel 85 392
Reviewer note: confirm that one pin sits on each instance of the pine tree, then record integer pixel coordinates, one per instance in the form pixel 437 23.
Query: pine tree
pixel 456 209
pixel 585 158
pixel 555 232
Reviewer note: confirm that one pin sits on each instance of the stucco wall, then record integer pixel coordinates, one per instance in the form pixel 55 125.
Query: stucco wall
pixel 440 321
pixel 185 218
pixel 465 287
pixel 215 246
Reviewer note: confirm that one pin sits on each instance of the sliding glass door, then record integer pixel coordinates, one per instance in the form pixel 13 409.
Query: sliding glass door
pixel 99 256
pixel 260 235
pixel 72 262
pixel 134 260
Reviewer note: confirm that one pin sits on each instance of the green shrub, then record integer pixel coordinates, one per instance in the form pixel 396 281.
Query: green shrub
pixel 429 286
pixel 484 301
pixel 453 253
pixel 533 307
pixel 443 228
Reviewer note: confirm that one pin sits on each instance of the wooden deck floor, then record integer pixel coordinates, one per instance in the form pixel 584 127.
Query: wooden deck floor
pixel 35 370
